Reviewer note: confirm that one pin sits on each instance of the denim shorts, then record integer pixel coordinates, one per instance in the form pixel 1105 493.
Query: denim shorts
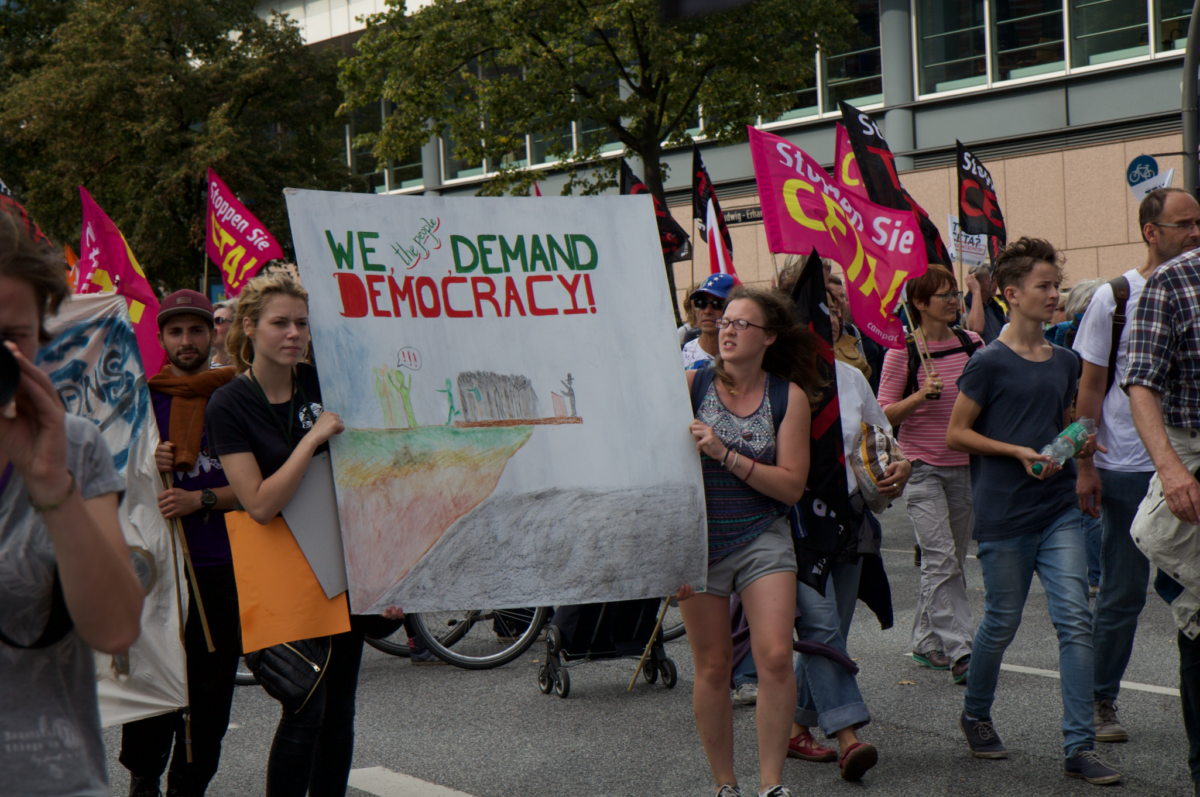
pixel 769 552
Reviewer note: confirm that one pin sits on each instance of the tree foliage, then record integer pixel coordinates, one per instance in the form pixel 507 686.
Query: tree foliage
pixel 135 99
pixel 489 71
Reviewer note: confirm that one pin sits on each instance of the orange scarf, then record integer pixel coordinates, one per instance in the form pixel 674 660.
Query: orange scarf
pixel 189 399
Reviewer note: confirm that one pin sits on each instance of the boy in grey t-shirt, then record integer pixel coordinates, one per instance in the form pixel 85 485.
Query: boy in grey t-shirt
pixel 1015 397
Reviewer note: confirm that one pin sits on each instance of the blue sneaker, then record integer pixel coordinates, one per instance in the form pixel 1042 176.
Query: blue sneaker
pixel 1085 763
pixel 982 738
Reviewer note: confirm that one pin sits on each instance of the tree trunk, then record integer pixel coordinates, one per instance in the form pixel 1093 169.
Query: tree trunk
pixel 652 174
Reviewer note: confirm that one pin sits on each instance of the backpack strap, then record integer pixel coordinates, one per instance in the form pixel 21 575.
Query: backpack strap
pixel 777 392
pixel 700 384
pixel 1120 289
pixel 57 626
pixel 914 365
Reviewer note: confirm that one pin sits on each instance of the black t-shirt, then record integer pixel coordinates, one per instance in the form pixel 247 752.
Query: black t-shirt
pixel 236 420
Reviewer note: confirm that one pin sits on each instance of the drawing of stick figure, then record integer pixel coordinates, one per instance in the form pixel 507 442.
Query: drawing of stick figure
pixel 384 391
pixel 450 396
pixel 403 388
pixel 569 392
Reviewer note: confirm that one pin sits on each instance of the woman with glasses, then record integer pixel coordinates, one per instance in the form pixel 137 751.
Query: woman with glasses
pixel 939 490
pixel 752 425
pixel 223 313
pixel 708 302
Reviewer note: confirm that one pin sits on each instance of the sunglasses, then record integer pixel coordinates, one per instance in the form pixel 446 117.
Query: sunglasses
pixel 220 322
pixel 704 304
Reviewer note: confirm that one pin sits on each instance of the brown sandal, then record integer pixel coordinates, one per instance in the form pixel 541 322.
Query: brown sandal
pixel 857 759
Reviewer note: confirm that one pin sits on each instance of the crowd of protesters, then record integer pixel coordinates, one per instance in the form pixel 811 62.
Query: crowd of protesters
pixel 960 414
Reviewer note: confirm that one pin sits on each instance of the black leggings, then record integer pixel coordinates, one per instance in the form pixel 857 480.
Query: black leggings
pixel 146 744
pixel 313 746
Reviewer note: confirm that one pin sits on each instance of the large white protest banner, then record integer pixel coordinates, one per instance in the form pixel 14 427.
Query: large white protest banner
pixel 94 362
pixel 516 413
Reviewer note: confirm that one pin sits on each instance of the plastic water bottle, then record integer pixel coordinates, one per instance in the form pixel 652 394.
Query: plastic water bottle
pixel 1070 441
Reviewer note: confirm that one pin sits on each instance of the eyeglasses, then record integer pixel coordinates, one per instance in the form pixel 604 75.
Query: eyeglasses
pixel 704 304
pixel 220 322
pixel 949 296
pixel 739 324
pixel 1178 225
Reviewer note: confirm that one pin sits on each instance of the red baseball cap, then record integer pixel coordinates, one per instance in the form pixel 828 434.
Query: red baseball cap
pixel 185 301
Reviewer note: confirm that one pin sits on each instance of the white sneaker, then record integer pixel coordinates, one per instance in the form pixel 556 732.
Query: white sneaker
pixel 746 694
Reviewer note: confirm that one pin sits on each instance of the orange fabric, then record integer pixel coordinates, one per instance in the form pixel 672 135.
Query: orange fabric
pixel 190 396
pixel 279 597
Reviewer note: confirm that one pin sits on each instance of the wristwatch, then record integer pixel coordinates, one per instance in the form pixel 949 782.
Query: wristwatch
pixel 208 499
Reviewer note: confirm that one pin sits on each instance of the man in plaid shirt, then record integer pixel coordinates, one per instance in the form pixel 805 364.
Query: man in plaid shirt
pixel 1163 383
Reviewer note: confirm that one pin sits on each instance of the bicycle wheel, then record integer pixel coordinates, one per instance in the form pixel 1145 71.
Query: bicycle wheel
pixel 481 638
pixel 394 645
pixel 673 625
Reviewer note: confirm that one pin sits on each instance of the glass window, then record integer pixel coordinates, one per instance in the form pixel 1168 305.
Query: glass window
pixel 1108 30
pixel 406 172
pixel 362 162
pixel 1028 38
pixel 1171 23
pixel 542 146
pixel 951 45
pixel 454 168
pixel 856 76
pixel 592 132
pixel 805 102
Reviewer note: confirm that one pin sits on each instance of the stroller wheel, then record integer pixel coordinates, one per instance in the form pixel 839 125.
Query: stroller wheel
pixel 553 640
pixel 649 672
pixel 562 683
pixel 669 674
pixel 545 681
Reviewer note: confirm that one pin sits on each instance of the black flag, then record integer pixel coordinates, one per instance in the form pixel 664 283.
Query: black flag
pixel 878 168
pixel 978 208
pixel 702 194
pixel 675 243
pixel 829 527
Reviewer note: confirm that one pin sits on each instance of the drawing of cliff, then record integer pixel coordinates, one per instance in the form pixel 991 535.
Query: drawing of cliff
pixel 490 399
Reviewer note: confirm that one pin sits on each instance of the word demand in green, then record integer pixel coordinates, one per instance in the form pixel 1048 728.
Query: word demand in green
pixel 480 254
pixel 343 256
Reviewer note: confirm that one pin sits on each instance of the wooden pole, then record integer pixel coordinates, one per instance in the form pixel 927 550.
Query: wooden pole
pixel 918 339
pixel 187 560
pixel 650 644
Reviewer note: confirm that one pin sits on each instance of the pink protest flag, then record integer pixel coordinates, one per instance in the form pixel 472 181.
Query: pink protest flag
pixel 879 248
pixel 106 263
pixel 536 191
pixel 236 241
pixel 845 167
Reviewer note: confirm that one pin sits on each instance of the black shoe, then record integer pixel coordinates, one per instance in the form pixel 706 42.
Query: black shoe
pixel 1085 763
pixel 143 787
pixel 982 738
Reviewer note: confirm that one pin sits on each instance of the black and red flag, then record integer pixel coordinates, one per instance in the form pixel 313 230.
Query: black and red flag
pixel 978 209
pixel 10 205
pixel 702 195
pixel 878 167
pixel 827 524
pixel 675 243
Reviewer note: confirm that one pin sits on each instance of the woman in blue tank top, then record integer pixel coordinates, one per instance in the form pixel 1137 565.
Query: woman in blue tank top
pixel 753 472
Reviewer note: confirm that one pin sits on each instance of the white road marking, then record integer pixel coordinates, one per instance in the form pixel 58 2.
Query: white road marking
pixel 1158 690
pixel 383 782
pixel 233 726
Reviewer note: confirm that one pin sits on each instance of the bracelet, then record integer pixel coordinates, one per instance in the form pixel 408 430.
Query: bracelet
pixel 724 461
pixel 753 462
pixel 737 457
pixel 57 504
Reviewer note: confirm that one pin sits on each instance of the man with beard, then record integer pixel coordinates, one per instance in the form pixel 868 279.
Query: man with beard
pixel 199 497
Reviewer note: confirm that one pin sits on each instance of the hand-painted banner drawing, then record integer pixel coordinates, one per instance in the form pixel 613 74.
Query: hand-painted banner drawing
pixel 516 421
pixel 93 360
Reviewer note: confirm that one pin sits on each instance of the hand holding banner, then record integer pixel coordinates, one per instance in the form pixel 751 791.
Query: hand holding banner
pixel 803 209
pixel 237 242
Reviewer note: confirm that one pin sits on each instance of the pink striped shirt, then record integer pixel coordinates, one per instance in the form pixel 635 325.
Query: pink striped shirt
pixel 923 434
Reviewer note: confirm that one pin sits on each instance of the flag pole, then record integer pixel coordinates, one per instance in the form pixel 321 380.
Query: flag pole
pixel 918 337
pixel 187 560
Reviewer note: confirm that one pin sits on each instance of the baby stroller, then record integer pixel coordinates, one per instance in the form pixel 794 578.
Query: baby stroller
pixel 593 631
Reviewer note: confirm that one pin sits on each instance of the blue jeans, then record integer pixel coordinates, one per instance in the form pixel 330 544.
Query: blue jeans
pixel 1058 555
pixel 1123 582
pixel 1093 532
pixel 827 695
pixel 746 672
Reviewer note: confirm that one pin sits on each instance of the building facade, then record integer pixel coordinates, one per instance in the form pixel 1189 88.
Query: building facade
pixel 1056 97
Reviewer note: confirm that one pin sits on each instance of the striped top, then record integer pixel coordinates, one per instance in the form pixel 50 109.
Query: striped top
pixel 737 513
pixel 923 434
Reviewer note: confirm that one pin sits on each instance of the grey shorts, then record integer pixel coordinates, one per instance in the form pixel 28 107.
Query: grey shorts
pixel 769 552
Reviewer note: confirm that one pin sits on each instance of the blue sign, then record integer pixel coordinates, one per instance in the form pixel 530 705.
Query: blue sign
pixel 1141 168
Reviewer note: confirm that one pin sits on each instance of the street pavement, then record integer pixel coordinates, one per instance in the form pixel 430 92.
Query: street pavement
pixel 438 731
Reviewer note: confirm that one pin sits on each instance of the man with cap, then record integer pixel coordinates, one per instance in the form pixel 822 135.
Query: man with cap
pixel 198 498
pixel 709 303
pixel 985 315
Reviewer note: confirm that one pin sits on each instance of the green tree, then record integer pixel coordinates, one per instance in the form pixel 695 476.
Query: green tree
pixel 487 72
pixel 135 99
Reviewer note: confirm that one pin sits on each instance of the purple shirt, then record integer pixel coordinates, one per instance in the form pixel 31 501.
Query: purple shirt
pixel 207 540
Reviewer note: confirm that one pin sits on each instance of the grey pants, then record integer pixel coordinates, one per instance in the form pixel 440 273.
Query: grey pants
pixel 939 504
